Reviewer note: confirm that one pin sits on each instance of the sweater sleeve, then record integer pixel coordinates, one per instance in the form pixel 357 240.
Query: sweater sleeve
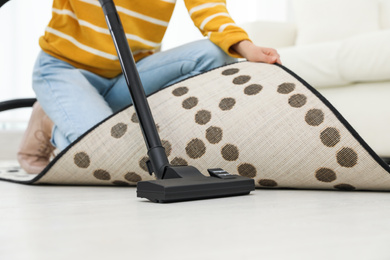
pixel 213 20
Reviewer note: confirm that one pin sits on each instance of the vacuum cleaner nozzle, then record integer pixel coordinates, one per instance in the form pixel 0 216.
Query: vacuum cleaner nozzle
pixel 174 183
pixel 182 183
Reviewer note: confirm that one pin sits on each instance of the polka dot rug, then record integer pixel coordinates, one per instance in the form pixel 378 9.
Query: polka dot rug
pixel 257 120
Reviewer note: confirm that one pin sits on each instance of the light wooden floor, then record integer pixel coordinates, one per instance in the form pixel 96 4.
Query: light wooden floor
pixel 61 222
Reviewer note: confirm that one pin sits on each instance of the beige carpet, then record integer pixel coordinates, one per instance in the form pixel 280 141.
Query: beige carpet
pixel 253 119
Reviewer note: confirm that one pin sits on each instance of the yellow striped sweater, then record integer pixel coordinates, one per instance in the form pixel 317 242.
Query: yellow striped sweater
pixel 78 34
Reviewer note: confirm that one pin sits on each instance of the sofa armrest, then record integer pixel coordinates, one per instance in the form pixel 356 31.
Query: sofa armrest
pixel 271 34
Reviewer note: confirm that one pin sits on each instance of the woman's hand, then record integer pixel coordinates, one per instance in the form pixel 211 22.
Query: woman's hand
pixel 251 52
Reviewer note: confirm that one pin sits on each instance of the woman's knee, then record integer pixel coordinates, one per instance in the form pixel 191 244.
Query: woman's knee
pixel 211 56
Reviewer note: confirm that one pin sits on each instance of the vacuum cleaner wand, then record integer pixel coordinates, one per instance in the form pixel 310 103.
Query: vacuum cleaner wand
pixel 156 151
pixel 174 183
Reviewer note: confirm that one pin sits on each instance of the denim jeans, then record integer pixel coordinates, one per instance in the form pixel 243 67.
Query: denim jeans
pixel 77 99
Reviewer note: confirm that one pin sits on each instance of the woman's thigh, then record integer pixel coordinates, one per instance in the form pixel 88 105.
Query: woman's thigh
pixel 165 68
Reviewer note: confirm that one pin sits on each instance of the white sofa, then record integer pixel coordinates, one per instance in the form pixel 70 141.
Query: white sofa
pixel 342 48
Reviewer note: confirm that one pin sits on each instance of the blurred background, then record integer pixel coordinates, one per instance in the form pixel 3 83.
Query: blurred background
pixel 340 47
pixel 26 20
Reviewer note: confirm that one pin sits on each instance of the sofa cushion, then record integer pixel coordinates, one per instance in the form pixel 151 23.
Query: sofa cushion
pixel 271 34
pixel 328 20
pixel 316 63
pixel 385 14
pixel 365 57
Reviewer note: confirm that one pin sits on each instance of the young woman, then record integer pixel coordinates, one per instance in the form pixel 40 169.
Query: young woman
pixel 77 76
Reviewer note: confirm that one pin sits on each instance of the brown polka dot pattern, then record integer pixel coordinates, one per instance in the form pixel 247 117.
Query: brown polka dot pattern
pixel 195 148
pixel 286 88
pixel 336 168
pixel 268 183
pixel 345 187
pixel 202 117
pixel 297 100
pixel 227 104
pixel 253 89
pixel 214 134
pixel 330 136
pixel 240 80
pixel 134 118
pixel 179 161
pixel 247 170
pixel 217 138
pixel 347 157
pixel 118 130
pixel 120 183
pixel 190 102
pixel 314 117
pixel 82 160
pixel 142 163
pixel 230 152
pixel 102 175
pixel 180 91
pixel 325 175
pixel 132 177
pixel 230 71
pixel 168 147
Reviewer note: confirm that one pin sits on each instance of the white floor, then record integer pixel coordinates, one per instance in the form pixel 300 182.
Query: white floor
pixel 49 222
pixel 61 222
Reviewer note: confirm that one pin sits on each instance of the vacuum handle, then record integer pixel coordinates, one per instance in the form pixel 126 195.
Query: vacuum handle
pixel 156 151
pixel 2 2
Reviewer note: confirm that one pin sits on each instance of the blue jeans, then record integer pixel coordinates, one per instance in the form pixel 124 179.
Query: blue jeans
pixel 77 99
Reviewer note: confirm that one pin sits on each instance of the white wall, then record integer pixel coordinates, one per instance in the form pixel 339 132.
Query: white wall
pixel 24 21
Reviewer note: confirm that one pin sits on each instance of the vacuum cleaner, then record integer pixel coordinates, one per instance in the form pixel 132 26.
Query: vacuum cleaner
pixel 173 183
